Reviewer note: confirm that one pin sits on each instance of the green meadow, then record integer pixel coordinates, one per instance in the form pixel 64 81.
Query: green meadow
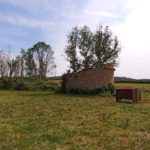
pixel 49 121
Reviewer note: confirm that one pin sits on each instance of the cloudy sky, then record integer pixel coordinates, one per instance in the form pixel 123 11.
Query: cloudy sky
pixel 26 22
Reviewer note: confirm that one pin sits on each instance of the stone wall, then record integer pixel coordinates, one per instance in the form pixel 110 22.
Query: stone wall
pixel 89 79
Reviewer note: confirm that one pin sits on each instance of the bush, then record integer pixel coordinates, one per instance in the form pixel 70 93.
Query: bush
pixel 5 84
pixel 20 87
pixel 32 84
pixel 105 90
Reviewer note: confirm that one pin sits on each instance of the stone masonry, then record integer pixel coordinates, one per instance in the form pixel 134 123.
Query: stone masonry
pixel 89 79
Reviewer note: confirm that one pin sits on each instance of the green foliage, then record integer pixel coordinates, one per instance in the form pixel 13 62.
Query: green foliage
pixel 5 84
pixel 71 51
pixel 36 61
pixel 85 46
pixel 30 65
pixel 94 49
pixel 12 65
pixel 107 90
pixel 31 84
pixel 44 59
pixel 106 47
pixel 20 86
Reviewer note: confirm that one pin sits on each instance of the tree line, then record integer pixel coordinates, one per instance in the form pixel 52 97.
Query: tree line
pixel 84 49
pixel 36 61
pixel 131 80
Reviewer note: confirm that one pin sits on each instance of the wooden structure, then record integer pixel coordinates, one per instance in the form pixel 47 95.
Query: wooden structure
pixel 130 94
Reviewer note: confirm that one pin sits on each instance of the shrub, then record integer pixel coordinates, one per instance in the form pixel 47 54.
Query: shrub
pixel 105 90
pixel 20 86
pixel 5 84
pixel 32 84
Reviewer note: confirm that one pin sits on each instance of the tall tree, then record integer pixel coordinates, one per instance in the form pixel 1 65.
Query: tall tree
pixel 71 49
pixel 105 46
pixel 22 62
pixel 18 66
pixel 12 66
pixel 95 49
pixel 3 64
pixel 86 47
pixel 44 58
pixel 30 65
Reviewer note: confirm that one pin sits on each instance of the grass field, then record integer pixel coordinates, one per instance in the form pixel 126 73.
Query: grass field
pixel 132 85
pixel 49 121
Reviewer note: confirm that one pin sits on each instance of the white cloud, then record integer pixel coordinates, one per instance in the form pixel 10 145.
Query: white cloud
pixel 101 14
pixel 134 35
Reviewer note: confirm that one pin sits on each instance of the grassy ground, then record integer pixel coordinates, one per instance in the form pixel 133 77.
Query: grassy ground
pixel 132 85
pixel 48 121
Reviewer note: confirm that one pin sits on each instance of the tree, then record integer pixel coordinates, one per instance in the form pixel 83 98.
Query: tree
pixel 12 66
pixel 44 59
pixel 3 64
pixel 9 66
pixel 95 49
pixel 22 62
pixel 18 66
pixel 30 65
pixel 71 49
pixel 106 47
pixel 85 46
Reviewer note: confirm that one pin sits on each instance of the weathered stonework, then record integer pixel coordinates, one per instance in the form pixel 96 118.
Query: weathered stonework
pixel 89 79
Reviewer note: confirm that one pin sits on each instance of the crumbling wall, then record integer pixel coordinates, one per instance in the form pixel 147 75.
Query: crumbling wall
pixel 89 79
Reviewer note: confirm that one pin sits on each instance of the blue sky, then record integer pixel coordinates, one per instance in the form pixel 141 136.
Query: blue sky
pixel 25 22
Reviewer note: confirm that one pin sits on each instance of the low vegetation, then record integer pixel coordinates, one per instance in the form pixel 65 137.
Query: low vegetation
pixel 29 84
pixel 107 90
pixel 132 85
pixel 46 120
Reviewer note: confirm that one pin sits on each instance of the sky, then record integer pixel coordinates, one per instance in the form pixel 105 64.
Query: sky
pixel 26 22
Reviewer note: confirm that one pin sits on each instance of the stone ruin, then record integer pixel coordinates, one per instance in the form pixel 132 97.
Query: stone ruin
pixel 90 79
